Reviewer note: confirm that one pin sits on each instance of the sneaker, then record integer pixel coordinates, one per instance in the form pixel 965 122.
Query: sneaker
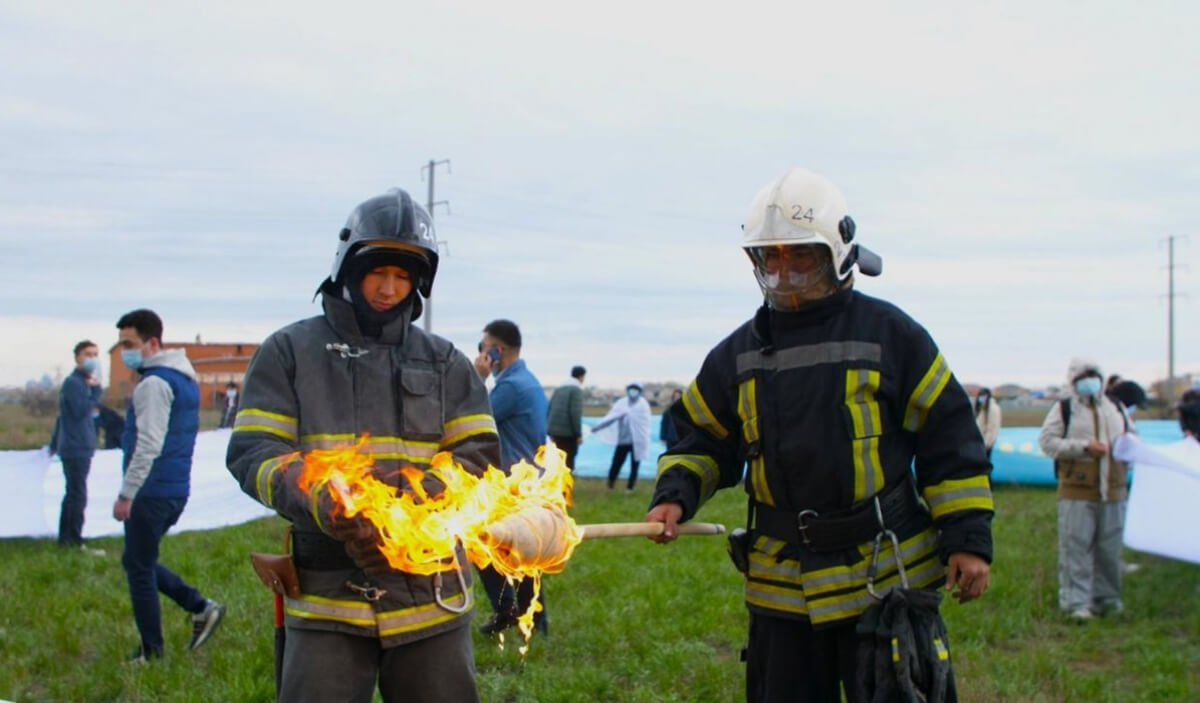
pixel 141 655
pixel 205 623
pixel 498 623
pixel 1081 615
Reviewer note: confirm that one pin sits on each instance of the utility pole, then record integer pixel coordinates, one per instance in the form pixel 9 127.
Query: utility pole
pixel 430 203
pixel 1170 319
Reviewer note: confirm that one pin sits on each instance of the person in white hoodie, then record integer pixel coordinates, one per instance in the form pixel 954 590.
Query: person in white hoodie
pixel 160 435
pixel 1078 434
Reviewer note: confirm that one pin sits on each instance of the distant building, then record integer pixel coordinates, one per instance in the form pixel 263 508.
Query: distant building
pixel 216 364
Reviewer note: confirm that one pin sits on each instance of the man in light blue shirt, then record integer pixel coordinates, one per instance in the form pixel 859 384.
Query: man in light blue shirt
pixel 519 408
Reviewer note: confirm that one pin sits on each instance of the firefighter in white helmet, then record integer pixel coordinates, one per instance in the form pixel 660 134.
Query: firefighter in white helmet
pixel 829 396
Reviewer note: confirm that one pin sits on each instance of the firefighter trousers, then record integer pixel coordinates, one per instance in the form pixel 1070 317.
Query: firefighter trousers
pixel 321 666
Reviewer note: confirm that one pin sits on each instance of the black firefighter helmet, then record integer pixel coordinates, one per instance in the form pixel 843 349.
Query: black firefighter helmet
pixel 392 221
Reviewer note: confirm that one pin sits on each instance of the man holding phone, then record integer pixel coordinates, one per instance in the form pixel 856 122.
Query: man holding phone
pixel 519 408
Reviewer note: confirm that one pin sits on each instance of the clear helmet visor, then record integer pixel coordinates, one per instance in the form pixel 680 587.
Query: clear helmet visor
pixel 791 275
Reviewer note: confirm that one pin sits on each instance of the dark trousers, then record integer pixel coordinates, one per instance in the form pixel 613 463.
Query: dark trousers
pixel 70 518
pixel 570 445
pixel 504 600
pixel 788 660
pixel 148 522
pixel 619 454
pixel 320 666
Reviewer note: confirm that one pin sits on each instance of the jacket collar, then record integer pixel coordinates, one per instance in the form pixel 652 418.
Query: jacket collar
pixel 341 317
pixel 767 321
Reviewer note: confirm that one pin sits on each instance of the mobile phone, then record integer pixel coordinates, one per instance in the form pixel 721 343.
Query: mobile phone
pixel 494 355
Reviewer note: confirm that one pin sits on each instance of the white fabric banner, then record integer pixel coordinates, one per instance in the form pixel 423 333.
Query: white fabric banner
pixel 1162 516
pixel 35 485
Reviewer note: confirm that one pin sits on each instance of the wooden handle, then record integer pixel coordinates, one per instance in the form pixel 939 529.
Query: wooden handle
pixel 647 529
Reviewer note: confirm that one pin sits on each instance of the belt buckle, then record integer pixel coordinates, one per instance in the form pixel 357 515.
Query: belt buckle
pixel 367 591
pixel 802 527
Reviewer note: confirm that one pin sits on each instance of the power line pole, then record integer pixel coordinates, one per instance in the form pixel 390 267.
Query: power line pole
pixel 430 203
pixel 1171 296
pixel 1170 319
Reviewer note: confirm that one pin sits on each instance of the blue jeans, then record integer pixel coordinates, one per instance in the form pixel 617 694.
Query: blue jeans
pixel 70 518
pixel 149 520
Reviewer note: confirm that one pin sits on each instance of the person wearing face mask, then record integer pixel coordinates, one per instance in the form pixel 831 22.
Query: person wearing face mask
pixel 627 425
pixel 74 441
pixel 519 408
pixel 1078 434
pixel 838 409
pixel 362 369
pixel 157 446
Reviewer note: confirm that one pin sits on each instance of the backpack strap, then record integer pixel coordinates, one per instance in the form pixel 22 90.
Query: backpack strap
pixel 1064 409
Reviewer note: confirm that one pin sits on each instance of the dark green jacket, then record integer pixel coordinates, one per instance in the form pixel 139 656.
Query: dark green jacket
pixel 565 416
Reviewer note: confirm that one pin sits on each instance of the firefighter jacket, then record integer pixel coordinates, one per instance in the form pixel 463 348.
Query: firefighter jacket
pixel 317 384
pixel 829 407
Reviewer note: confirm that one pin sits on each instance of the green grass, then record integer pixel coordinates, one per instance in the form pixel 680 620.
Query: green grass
pixel 629 621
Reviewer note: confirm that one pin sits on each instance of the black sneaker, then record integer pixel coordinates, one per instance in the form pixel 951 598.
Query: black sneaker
pixel 205 623
pixel 499 623
pixel 142 655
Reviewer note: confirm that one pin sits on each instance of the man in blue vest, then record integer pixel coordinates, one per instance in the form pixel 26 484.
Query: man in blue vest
pixel 160 434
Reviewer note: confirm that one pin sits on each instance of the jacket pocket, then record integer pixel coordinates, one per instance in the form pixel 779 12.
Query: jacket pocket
pixel 421 404
pixel 1078 479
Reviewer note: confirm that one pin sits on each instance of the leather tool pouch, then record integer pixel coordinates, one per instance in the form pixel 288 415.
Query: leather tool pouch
pixel 278 571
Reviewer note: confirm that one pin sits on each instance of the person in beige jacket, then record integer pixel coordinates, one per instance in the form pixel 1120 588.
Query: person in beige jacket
pixel 1092 491
pixel 987 418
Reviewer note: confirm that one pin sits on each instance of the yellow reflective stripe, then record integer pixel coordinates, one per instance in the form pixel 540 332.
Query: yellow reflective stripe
pixel 861 386
pixel 255 420
pixel 411 451
pixel 942 653
pixel 837 578
pixel 326 441
pixel 318 608
pixel 395 622
pixel 772 597
pixel 895 649
pixel 705 467
pixel 699 413
pixel 747 407
pixel 460 428
pixel 955 495
pixel 264 478
pixel 854 603
pixel 926 394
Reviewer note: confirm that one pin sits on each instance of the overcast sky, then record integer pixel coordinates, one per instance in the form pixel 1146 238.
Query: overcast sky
pixel 1017 165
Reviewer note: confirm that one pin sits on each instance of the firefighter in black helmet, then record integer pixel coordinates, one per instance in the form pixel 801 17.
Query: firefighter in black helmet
pixel 362 368
pixel 823 401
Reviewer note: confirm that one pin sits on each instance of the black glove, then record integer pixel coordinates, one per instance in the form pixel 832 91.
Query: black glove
pixel 363 548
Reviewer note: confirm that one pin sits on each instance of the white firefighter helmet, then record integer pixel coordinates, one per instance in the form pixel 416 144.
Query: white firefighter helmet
pixel 801 207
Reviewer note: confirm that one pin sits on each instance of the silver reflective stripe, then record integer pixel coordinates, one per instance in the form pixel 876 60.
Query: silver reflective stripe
pixel 379 447
pixel 395 622
pixel 779 598
pixel 318 608
pixel 849 606
pixel 840 577
pixel 808 355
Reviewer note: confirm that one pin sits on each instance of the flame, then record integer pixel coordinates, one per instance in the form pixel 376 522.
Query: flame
pixel 515 522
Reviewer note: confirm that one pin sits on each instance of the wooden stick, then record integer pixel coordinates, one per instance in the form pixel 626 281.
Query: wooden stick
pixel 647 529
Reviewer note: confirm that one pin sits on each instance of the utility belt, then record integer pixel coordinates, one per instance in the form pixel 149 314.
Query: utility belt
pixel 843 529
pixel 317 551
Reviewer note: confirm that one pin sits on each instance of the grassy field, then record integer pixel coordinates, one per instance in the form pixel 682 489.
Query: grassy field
pixel 629 621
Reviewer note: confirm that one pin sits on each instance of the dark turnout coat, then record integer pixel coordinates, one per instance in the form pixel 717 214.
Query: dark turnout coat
pixel 821 410
pixel 319 384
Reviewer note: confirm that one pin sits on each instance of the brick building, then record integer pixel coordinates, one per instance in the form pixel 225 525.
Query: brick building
pixel 216 364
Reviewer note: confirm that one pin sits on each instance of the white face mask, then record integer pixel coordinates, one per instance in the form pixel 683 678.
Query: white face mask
pixel 1088 386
